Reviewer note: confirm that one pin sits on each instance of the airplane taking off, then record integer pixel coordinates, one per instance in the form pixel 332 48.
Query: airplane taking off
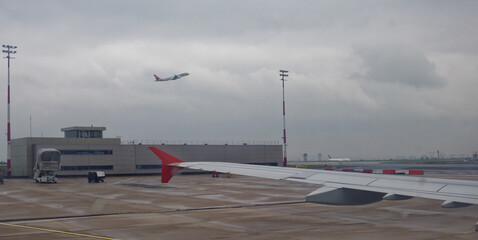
pixel 339 159
pixel 175 77
pixel 340 188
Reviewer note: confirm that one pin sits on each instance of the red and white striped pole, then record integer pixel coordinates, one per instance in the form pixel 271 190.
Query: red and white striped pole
pixel 9 134
pixel 283 74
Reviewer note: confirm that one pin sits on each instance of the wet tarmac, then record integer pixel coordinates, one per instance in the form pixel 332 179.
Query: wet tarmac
pixel 201 207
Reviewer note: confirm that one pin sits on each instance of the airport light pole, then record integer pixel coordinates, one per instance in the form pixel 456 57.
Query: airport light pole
pixel 9 51
pixel 283 74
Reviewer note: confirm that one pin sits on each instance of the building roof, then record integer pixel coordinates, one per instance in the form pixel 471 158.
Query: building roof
pixel 79 128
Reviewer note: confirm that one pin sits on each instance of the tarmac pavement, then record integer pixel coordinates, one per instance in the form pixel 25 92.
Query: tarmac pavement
pixel 201 207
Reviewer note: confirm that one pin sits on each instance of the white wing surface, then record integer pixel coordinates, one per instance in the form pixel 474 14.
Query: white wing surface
pixel 343 188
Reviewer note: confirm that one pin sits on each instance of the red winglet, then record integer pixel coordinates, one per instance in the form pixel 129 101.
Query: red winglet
pixel 167 172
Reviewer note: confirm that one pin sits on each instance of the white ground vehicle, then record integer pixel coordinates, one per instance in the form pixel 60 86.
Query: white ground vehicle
pixel 48 161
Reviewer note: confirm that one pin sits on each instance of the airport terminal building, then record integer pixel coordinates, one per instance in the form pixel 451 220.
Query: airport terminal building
pixel 84 149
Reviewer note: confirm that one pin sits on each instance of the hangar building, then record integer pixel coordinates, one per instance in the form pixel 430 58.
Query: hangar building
pixel 84 149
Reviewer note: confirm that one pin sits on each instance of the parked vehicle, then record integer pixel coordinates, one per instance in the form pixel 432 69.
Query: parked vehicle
pixel 97 176
pixel 48 161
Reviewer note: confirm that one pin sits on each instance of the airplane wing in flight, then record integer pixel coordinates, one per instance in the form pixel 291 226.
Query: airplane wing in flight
pixel 341 188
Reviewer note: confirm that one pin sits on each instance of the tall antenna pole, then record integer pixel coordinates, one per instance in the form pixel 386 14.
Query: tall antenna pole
pixel 9 134
pixel 283 74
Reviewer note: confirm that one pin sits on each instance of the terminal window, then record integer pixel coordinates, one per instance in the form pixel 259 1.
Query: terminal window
pixel 265 164
pixel 80 168
pixel 86 152
pixel 154 166
pixel 84 134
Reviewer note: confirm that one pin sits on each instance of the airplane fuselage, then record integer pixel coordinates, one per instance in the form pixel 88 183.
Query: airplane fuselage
pixel 175 77
pixel 339 159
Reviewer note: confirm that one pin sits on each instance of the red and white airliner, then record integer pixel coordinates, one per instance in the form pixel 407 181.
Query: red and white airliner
pixel 175 77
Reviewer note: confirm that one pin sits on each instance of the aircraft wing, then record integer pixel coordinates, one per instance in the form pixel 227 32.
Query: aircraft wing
pixel 179 76
pixel 342 188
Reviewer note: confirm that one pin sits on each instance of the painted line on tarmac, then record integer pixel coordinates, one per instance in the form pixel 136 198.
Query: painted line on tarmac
pixel 58 231
pixel 149 212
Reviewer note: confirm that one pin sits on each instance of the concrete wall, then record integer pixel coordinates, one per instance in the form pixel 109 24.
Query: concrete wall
pixel 20 153
pixel 132 159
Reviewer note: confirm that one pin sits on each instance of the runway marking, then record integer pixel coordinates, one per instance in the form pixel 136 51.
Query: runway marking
pixel 58 231
pixel 151 212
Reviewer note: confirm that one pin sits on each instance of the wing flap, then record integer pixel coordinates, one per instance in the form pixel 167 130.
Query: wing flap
pixel 410 184
pixel 328 176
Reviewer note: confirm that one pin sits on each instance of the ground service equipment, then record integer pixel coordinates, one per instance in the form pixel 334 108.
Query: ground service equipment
pixel 48 161
pixel 97 176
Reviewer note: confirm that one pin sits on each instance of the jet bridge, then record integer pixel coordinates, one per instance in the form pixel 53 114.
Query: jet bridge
pixel 48 161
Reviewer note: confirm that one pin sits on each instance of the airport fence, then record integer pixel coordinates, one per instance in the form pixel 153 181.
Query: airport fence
pixel 198 142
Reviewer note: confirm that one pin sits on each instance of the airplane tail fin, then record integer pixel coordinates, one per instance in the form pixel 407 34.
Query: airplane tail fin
pixel 329 156
pixel 167 171
pixel 157 78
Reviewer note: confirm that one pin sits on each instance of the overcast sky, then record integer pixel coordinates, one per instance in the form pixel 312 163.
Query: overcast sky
pixel 367 79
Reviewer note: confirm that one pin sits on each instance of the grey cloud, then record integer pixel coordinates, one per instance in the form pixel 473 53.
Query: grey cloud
pixel 398 65
pixel 92 63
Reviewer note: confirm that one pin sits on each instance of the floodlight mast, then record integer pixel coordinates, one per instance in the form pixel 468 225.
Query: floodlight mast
pixel 283 74
pixel 9 134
